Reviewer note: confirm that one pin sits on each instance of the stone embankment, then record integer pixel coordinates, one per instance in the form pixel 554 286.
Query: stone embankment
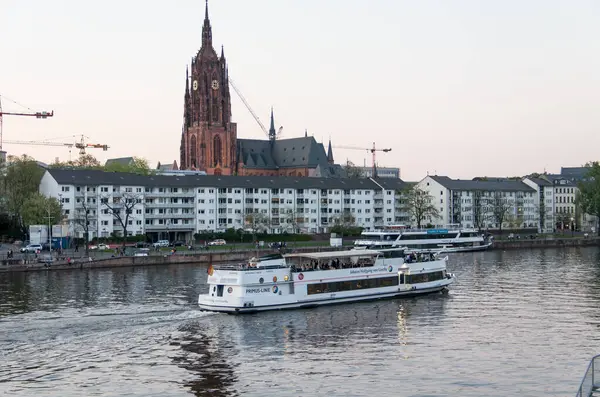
pixel 556 242
pixel 21 265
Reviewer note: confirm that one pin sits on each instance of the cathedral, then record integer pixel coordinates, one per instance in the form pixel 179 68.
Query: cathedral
pixel 209 139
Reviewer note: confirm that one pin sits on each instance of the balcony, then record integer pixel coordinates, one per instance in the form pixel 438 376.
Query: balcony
pixel 163 227
pixel 169 205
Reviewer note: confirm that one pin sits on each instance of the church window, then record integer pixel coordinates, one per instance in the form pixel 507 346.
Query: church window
pixel 217 152
pixel 193 153
pixel 215 113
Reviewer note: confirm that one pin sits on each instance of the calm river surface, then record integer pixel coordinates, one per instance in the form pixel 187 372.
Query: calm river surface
pixel 516 323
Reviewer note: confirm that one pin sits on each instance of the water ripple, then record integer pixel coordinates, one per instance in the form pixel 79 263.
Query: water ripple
pixel 517 323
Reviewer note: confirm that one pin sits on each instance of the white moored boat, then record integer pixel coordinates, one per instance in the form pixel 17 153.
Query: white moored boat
pixel 449 239
pixel 313 279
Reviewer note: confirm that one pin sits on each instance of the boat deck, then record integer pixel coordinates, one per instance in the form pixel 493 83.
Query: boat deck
pixel 590 384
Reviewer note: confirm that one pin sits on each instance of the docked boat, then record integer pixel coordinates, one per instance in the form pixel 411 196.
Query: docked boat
pixel 313 279
pixel 451 239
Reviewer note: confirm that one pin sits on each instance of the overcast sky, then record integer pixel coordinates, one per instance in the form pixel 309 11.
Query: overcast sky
pixel 459 88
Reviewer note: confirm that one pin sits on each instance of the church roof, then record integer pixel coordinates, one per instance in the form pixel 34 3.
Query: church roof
pixel 282 153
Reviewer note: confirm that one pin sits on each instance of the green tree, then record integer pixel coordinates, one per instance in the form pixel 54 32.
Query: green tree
pixel 137 166
pixel 420 204
pixel 40 210
pixel 589 192
pixel 352 171
pixel 20 180
pixel 83 161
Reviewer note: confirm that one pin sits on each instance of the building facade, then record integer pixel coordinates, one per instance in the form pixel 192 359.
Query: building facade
pixel 209 138
pixel 559 206
pixel 178 206
pixel 482 204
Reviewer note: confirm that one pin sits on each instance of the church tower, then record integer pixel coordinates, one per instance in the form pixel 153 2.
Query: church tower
pixel 208 139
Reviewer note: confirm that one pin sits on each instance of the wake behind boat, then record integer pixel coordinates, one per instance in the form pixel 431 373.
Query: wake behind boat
pixel 307 280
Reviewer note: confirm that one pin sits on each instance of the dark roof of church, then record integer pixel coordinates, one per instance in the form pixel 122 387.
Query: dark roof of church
pixel 98 177
pixel 282 153
pixel 120 160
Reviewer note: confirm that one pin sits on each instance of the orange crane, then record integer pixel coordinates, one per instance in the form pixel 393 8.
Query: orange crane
pixel 37 115
pixel 81 145
pixel 373 151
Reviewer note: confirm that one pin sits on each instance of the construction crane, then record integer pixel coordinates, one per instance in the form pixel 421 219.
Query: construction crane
pixel 373 151
pixel 37 115
pixel 245 102
pixel 81 145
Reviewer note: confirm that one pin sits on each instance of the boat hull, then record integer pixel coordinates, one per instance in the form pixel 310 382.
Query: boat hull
pixel 312 303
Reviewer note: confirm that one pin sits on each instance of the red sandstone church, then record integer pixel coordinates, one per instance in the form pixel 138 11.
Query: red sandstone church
pixel 209 139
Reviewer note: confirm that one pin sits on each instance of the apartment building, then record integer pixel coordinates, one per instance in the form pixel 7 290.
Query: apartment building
pixel 558 198
pixel 480 203
pixel 178 206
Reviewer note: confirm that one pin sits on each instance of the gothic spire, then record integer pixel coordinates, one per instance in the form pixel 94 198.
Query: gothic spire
pixel 272 132
pixel 306 133
pixel 330 153
pixel 206 29
pixel 187 82
pixel 222 53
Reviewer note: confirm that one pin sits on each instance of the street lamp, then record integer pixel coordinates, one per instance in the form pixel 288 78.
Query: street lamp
pixel 572 226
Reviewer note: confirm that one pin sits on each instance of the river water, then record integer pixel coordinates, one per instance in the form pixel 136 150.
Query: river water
pixel 515 323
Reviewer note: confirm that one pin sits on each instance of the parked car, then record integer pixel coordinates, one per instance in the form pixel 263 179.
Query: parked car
pixel 142 244
pixel 99 247
pixel 161 243
pixel 219 241
pixel 30 248
pixel 177 243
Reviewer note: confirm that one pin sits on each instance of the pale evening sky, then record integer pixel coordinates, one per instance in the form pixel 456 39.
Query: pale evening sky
pixel 462 88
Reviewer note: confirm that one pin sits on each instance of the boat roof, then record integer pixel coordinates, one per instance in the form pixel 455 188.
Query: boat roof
pixel 334 254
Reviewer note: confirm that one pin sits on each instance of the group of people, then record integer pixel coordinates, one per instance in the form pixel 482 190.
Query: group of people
pixel 332 264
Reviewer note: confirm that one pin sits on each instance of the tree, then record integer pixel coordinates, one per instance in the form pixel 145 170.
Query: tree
pixel 352 171
pixel 563 218
pixel 293 219
pixel 543 211
pixel 257 222
pixel 20 180
pixel 500 207
pixel 38 209
pixel 420 205
pixel 480 215
pixel 137 166
pixel 83 161
pixel 82 220
pixel 589 192
pixel 121 207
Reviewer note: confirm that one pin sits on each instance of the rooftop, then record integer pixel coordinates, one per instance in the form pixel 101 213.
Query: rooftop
pixel 84 177
pixel 483 185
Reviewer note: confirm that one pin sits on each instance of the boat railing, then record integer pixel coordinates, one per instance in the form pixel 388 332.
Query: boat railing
pixel 591 380
pixel 246 267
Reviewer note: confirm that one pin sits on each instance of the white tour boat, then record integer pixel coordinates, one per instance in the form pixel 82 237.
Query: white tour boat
pixel 450 239
pixel 313 279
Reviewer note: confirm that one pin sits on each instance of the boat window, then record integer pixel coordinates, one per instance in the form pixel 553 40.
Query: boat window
pixel 433 236
pixel 220 290
pixel 424 277
pixel 306 264
pixel 393 254
pixel 341 286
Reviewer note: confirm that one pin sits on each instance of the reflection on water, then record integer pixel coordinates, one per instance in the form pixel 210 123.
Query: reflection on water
pixel 516 323
pixel 204 353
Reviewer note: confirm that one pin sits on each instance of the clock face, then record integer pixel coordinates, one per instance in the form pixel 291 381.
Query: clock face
pixel 195 85
pixel 215 85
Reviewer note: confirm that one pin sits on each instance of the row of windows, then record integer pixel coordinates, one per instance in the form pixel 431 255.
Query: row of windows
pixel 341 286
pixel 421 278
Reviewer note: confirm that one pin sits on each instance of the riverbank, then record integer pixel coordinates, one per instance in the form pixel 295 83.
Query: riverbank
pixel 233 256
pixel 20 265
pixel 555 242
